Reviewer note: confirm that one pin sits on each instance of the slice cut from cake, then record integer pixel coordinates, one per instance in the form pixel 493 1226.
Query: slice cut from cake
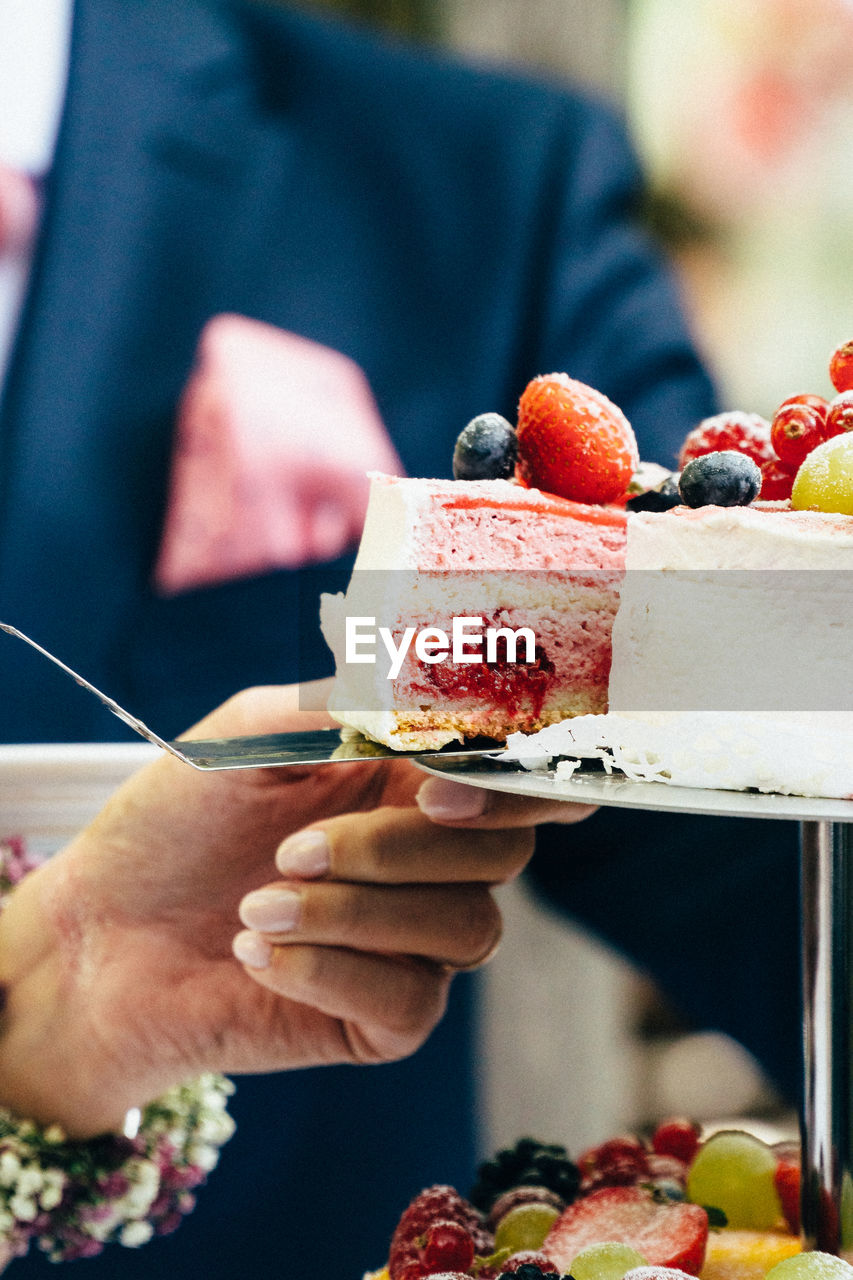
pixel 475 609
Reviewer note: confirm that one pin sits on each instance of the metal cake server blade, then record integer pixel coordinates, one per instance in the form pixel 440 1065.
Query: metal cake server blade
pixel 304 747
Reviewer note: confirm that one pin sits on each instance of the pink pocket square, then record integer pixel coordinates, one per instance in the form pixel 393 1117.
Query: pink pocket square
pixel 274 437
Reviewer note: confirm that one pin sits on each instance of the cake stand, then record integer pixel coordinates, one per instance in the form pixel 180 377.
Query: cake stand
pixel 826 844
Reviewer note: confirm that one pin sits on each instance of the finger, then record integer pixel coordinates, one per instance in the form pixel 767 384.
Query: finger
pixel 400 846
pixel 456 803
pixel 456 925
pixel 387 1005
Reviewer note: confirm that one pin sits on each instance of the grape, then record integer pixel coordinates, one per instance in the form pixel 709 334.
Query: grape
pixel 811 1266
pixel 735 1172
pixel 608 1261
pixel 525 1227
pixel 825 480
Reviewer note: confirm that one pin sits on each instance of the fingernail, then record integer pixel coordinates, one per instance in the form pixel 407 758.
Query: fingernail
pixel 271 910
pixel 306 855
pixel 252 950
pixel 448 801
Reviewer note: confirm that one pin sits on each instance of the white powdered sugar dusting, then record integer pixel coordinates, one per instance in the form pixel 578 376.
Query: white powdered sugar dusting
pixel 798 753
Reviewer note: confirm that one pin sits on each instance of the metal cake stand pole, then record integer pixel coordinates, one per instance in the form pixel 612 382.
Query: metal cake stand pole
pixel 827 959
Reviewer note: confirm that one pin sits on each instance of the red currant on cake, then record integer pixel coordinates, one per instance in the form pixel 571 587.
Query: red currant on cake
pixel 797 428
pixel 747 433
pixel 841 367
pixel 573 441
pixel 839 416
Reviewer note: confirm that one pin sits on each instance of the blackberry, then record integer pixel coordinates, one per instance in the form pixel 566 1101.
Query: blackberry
pixel 528 1163
pixel 529 1271
pixel 662 498
pixel 487 449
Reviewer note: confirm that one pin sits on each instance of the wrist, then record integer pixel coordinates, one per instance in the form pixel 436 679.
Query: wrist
pixel 47 1016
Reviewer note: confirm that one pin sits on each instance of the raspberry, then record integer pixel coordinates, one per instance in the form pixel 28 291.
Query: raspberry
pixel 841 367
pixel 574 442
pixel 839 415
pixel 776 482
pixel 798 427
pixel 747 433
pixel 439 1205
pixel 677 1137
pixel 619 1162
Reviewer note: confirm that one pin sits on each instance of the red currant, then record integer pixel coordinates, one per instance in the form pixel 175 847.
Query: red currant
pixel 447 1247
pixel 676 1137
pixel 776 482
pixel 840 416
pixel 796 429
pixel 841 367
pixel 816 402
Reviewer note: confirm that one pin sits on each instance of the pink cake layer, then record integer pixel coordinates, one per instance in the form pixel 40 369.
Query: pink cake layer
pixel 467 527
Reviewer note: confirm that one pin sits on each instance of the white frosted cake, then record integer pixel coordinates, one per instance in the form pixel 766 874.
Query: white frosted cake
pixel 732 655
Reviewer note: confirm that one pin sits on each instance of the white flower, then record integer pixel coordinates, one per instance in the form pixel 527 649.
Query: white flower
pixel 102 1227
pixel 51 1195
pixel 136 1233
pixel 24 1209
pixel 30 1181
pixel 10 1167
pixel 204 1156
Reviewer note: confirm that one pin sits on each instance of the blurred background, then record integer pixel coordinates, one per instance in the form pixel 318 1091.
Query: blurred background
pixel 742 112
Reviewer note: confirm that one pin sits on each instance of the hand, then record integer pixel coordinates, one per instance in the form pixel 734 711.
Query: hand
pixel 117 954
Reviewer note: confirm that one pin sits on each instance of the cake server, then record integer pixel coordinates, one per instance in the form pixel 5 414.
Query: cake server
pixel 305 746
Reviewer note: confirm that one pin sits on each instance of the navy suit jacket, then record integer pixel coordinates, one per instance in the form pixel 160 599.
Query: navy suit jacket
pixel 455 232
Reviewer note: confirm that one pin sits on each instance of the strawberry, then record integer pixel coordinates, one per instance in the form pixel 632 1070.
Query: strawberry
pixel 787 1179
pixel 573 441
pixel 747 433
pixel 666 1233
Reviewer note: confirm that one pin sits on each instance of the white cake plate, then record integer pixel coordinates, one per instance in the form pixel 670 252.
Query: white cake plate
pixel 826 858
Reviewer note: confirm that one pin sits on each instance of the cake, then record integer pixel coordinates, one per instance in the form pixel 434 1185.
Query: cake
pixel 541 574
pixel 722 1207
pixel 646 627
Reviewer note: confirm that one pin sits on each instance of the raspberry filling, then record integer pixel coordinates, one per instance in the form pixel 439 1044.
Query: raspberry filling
pixel 518 688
